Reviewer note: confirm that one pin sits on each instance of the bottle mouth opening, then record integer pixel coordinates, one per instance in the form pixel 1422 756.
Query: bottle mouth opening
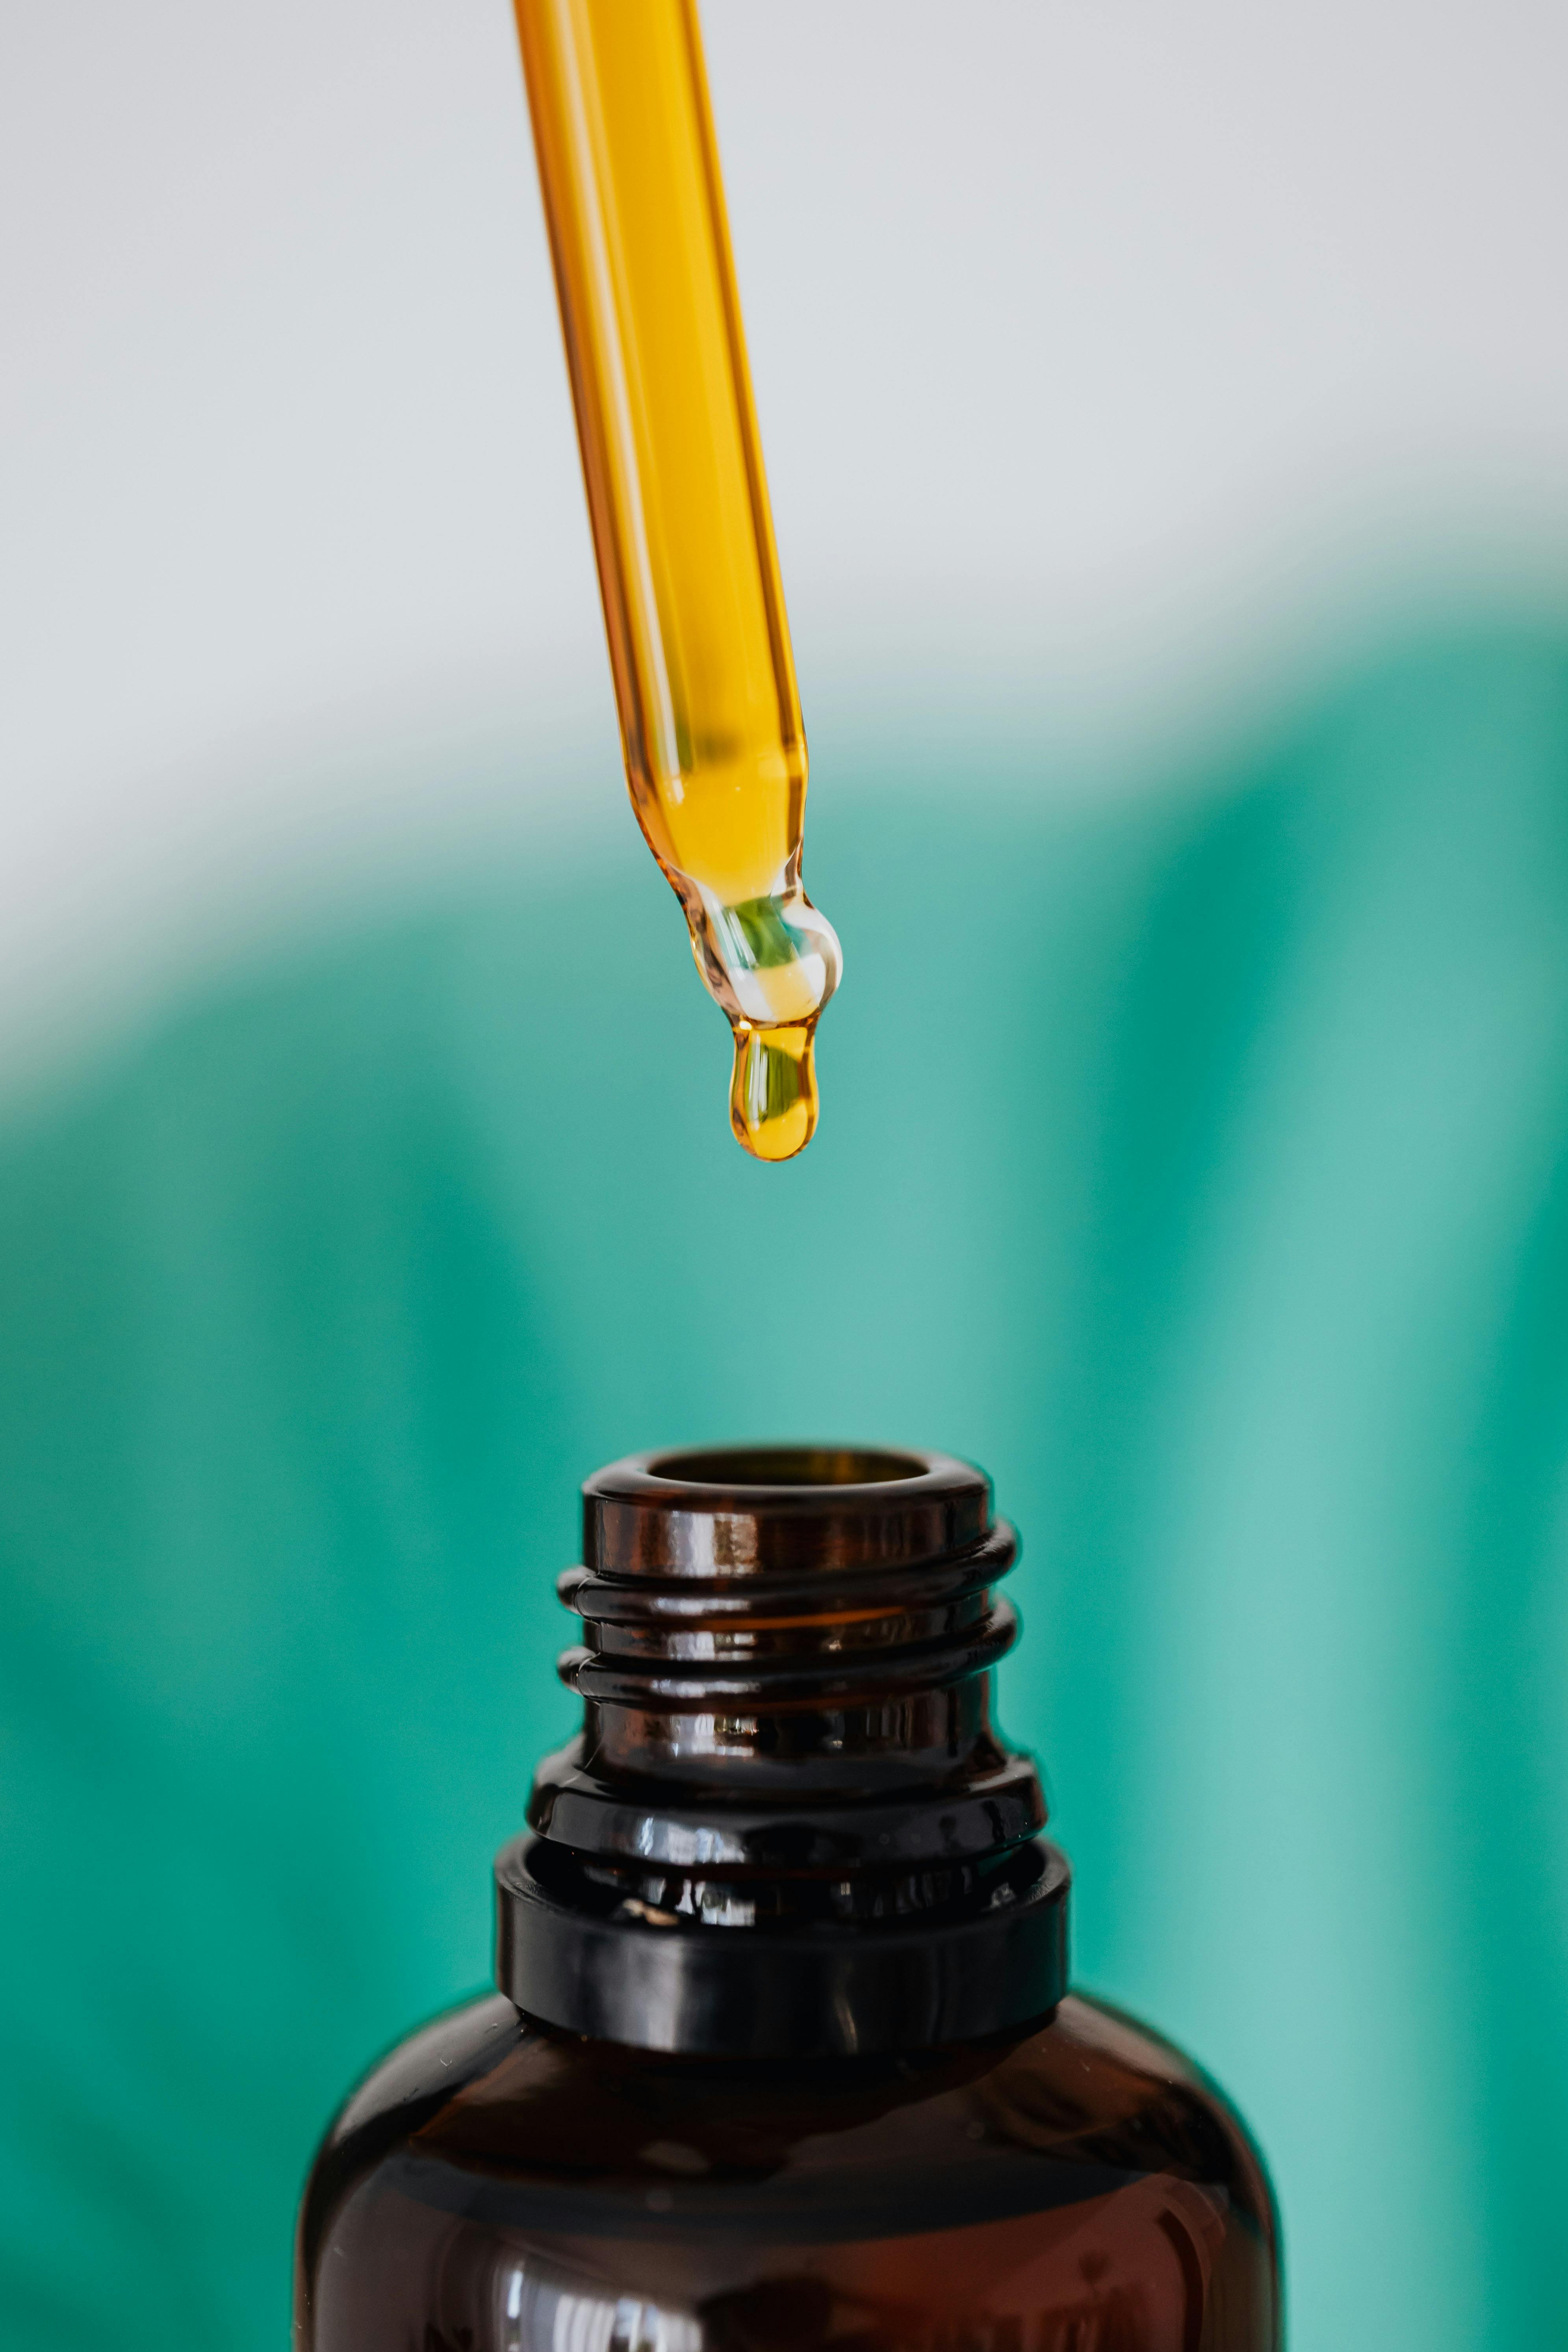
pixel 757 1468
pixel 763 1511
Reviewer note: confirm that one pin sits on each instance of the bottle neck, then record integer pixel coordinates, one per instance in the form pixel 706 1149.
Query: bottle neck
pixel 789 1822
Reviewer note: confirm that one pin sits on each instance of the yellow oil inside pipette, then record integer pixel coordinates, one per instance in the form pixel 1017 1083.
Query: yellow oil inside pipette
pixel 711 725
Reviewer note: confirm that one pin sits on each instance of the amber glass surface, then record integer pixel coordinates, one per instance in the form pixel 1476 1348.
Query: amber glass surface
pixel 497 2186
pixel 710 721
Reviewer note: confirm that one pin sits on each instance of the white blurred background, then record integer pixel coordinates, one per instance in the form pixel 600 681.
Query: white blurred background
pixel 1109 357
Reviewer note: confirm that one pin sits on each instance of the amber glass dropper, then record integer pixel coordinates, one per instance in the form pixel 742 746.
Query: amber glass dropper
pixel 694 610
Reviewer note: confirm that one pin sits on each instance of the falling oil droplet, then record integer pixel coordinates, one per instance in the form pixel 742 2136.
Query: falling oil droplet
pixel 772 1092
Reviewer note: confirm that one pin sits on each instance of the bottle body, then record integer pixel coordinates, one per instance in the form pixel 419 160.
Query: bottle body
pixel 783 2055
pixel 498 2186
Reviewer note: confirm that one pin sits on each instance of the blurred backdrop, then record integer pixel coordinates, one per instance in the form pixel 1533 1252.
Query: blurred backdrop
pixel 1168 426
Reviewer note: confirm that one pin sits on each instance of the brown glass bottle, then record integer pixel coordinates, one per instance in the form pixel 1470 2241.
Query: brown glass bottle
pixel 783 2056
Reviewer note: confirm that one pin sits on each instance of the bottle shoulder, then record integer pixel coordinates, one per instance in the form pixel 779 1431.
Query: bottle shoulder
pixel 403 2091
pixel 1100 2079
pixel 435 2062
pixel 1069 2109
pixel 1080 2183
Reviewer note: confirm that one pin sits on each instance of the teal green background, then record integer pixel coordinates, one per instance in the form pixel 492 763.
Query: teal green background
pixel 1194 1158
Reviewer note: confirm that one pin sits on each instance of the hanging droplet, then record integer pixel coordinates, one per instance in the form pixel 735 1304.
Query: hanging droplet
pixel 773 1093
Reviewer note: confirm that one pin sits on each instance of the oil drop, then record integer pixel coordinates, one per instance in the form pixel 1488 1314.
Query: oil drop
pixel 772 1090
pixel 694 611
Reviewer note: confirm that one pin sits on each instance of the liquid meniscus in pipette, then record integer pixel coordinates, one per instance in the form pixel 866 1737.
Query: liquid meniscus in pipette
pixel 694 611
